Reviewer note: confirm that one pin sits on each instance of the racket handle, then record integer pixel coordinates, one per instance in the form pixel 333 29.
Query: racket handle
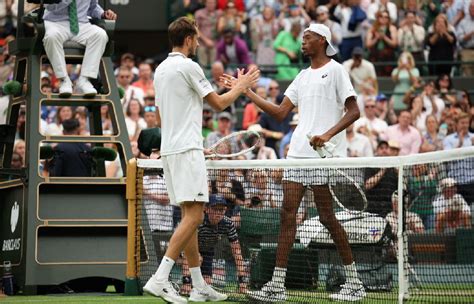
pixel 318 149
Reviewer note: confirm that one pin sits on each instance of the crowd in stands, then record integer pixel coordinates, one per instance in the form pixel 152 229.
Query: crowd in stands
pixel 413 42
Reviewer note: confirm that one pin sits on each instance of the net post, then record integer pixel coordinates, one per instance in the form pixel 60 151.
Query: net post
pixel 132 287
pixel 402 276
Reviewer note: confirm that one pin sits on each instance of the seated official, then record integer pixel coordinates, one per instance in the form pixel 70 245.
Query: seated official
pixel 68 20
pixel 71 158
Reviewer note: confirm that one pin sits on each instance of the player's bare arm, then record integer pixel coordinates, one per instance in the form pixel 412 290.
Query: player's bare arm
pixel 352 114
pixel 242 83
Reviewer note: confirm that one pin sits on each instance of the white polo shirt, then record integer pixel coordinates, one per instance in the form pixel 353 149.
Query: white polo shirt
pixel 320 95
pixel 180 87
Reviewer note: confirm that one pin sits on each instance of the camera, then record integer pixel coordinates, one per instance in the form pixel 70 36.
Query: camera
pixel 255 201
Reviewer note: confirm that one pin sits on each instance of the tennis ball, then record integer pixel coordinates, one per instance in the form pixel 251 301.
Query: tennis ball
pixel 12 87
pixel 121 92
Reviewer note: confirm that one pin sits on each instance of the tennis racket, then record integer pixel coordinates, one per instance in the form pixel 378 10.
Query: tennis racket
pixel 345 190
pixel 245 141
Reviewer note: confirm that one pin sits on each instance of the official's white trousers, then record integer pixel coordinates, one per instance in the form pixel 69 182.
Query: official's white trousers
pixel 91 36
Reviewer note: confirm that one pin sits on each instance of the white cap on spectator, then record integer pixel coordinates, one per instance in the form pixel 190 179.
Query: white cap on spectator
pixel 447 182
pixel 322 9
pixel 324 31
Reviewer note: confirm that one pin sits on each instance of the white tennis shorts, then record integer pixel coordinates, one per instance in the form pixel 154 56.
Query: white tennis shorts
pixel 306 177
pixel 186 177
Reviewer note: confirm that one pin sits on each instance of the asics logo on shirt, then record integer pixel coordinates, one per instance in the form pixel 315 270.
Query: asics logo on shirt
pixel 324 76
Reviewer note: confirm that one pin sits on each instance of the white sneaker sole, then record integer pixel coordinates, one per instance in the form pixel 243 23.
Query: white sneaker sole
pixel 158 295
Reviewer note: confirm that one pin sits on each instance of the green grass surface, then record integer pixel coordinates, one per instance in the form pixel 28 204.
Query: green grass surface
pixel 303 297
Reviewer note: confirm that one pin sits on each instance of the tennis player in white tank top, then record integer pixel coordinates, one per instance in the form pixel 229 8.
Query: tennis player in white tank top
pixel 327 105
pixel 180 87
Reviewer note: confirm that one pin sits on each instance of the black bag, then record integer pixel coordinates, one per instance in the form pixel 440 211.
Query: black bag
pixel 373 279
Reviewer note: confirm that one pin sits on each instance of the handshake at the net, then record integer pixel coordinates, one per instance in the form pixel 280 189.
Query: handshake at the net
pixel 243 81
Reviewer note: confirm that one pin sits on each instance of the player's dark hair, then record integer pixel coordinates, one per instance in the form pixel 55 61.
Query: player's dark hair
pixel 179 29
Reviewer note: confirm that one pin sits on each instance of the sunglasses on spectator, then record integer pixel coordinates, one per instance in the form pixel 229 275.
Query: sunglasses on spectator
pixel 150 109
pixel 370 106
pixel 273 88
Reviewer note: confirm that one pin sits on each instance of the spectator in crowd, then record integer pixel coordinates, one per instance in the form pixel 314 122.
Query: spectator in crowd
pixel 336 31
pixel 239 5
pixel 465 36
pixel 442 43
pixel 462 170
pixel 358 145
pixel 285 141
pixel 274 93
pixel 371 125
pixel 293 13
pixel 432 140
pixel 463 101
pixel 81 114
pixel 145 77
pixel 107 126
pixel 261 151
pixel 384 109
pixel 422 187
pixel 288 51
pixel 150 117
pixel 19 147
pixel 216 225
pixel 380 183
pixel 431 9
pixel 382 6
pixel 206 20
pixel 273 130
pixel 229 20
pixel 159 211
pixel 352 26
pixel 59 28
pixel 17 161
pixel 444 87
pixel 412 6
pixel 232 50
pixel 127 60
pixel 71 159
pixel 134 119
pixel 224 128
pixel 406 77
pixel 217 70
pixel 256 7
pixel 124 80
pixel 56 128
pixel 6 67
pixel 406 135
pixel 207 120
pixel 393 148
pixel 360 70
pixel 432 104
pixel 382 42
pixel 451 209
pixel 264 30
pixel 259 194
pixel 412 221
pixel 252 111
pixel 411 37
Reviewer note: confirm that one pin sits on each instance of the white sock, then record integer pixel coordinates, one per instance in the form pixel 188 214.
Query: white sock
pixel 163 272
pixel 196 277
pixel 279 275
pixel 351 273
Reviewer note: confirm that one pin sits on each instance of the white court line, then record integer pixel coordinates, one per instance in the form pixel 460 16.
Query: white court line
pixel 79 299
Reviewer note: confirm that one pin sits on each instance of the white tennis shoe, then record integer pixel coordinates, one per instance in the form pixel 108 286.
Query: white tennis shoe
pixel 164 290
pixel 271 292
pixel 207 293
pixel 350 292
pixel 65 88
pixel 85 87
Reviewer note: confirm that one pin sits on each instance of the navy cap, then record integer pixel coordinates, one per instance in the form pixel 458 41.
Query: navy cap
pixel 217 199
pixel 381 97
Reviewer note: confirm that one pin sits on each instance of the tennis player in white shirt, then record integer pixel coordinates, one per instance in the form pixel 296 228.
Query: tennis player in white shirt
pixel 327 105
pixel 180 87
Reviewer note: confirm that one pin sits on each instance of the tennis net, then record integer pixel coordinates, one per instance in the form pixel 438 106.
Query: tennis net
pixel 430 196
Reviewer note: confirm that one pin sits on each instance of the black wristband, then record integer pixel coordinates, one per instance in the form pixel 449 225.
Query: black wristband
pixel 187 280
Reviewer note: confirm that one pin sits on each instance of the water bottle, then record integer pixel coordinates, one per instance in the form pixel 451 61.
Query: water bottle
pixel 7 278
pixel 443 130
